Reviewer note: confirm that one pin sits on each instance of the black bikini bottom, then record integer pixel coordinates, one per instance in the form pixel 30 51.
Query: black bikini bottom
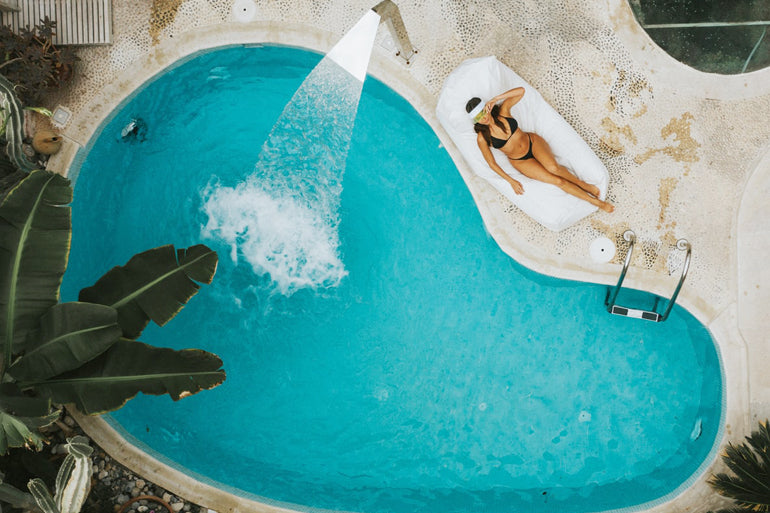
pixel 529 153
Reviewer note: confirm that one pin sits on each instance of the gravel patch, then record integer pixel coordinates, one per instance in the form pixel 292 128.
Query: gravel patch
pixel 114 488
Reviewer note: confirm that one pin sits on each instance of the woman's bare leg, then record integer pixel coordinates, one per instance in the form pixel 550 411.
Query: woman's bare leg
pixel 531 168
pixel 544 155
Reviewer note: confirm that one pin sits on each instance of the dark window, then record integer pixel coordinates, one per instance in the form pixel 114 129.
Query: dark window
pixel 716 36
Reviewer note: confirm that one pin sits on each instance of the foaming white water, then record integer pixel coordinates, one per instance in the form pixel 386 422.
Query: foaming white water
pixel 284 218
pixel 277 234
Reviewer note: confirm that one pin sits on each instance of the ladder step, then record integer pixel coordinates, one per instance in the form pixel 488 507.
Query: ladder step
pixel 636 314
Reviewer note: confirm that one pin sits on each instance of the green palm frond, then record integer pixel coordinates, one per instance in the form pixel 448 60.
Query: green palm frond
pixel 750 464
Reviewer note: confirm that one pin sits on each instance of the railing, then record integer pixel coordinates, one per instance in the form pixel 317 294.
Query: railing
pixel 649 315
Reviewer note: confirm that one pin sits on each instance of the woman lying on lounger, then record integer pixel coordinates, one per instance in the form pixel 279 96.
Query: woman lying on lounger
pixel 527 152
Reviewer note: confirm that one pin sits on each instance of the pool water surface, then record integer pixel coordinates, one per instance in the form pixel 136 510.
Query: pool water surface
pixel 436 375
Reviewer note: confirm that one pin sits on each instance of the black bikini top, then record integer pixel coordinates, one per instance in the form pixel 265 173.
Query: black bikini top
pixel 499 143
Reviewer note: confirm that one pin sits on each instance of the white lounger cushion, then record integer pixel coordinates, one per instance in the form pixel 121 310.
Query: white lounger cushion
pixel 486 77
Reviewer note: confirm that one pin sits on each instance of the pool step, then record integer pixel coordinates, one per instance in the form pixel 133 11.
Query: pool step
pixel 636 314
pixel 78 22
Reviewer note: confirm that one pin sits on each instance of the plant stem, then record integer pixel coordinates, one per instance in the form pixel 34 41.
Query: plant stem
pixel 6 63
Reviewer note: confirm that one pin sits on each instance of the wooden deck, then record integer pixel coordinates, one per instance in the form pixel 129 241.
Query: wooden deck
pixel 78 22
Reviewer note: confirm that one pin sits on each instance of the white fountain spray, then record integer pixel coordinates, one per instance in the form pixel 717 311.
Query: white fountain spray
pixel 284 219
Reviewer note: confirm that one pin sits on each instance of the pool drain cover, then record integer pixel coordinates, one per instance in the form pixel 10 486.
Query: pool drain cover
pixel 244 10
pixel 602 250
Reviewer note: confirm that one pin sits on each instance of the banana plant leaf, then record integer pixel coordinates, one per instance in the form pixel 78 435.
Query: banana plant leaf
pixel 128 367
pixel 13 401
pixel 153 285
pixel 23 431
pixel 35 228
pixel 70 335
pixel 21 417
pixel 9 176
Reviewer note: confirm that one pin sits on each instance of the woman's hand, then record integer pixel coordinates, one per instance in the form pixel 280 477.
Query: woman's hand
pixel 491 103
pixel 517 188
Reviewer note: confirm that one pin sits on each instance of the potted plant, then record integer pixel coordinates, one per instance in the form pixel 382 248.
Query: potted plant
pixel 30 60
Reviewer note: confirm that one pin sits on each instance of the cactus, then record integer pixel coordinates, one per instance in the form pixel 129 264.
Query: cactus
pixel 12 125
pixel 16 497
pixel 73 482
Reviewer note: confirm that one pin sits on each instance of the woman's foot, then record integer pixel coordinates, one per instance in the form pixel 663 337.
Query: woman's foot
pixel 607 207
pixel 592 190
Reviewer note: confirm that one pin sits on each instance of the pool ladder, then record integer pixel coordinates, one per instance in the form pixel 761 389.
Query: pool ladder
pixel 649 315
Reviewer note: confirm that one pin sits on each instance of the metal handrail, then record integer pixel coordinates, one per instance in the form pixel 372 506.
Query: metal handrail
pixel 683 245
pixel 650 315
pixel 629 236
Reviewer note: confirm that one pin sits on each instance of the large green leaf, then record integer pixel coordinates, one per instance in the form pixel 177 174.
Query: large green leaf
pixel 23 431
pixel 128 367
pixel 9 176
pixel 21 417
pixel 35 229
pixel 13 401
pixel 70 335
pixel 155 285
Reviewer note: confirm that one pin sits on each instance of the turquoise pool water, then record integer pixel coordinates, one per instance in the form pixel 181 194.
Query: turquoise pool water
pixel 436 375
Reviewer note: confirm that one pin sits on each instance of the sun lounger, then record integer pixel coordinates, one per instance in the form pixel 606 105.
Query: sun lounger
pixel 486 77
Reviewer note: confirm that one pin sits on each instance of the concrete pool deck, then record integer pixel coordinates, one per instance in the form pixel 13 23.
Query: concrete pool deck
pixel 688 152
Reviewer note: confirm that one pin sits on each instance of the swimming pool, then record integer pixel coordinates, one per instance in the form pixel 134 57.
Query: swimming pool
pixel 437 375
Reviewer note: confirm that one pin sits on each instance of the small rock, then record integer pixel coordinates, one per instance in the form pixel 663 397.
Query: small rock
pixel 129 486
pixel 142 509
pixel 186 507
pixel 69 421
pixel 103 474
pixel 140 483
pixel 122 498
pixel 135 492
pixel 166 497
pixel 177 506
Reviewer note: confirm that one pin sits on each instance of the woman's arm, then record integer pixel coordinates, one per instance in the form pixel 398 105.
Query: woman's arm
pixel 509 99
pixel 517 188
